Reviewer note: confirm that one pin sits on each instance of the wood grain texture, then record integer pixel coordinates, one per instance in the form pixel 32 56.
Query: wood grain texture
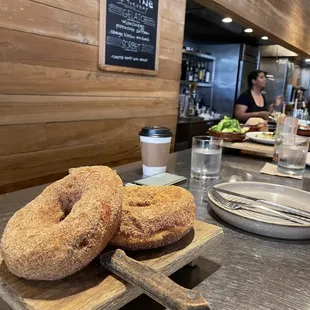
pixel 249 147
pixel 153 283
pixel 28 16
pixel 32 17
pixel 294 11
pixel 16 139
pixel 27 79
pixel 24 184
pixel 73 144
pixel 168 69
pixel 174 10
pixel 28 109
pixel 170 60
pixel 170 50
pixel 68 134
pixel 286 19
pixel 52 90
pixel 84 290
pixel 31 49
pixel 283 21
pixel 88 8
pixel 172 31
pixel 25 48
pixel 31 165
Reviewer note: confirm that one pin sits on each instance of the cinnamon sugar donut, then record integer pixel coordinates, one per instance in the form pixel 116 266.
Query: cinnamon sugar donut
pixel 66 226
pixel 154 216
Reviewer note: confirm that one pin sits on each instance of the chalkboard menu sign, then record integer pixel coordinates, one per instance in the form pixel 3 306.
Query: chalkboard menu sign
pixel 129 36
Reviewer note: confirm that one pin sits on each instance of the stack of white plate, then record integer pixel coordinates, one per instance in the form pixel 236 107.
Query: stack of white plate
pixel 260 222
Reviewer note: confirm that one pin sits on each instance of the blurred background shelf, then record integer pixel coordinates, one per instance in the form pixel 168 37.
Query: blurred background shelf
pixel 205 56
pixel 197 83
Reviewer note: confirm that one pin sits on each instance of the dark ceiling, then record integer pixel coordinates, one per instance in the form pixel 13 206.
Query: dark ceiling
pixel 204 25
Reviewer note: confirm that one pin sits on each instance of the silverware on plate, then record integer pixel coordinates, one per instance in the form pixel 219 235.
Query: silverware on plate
pixel 252 206
pixel 273 205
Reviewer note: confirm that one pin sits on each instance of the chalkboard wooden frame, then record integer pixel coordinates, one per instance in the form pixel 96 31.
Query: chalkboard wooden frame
pixel 102 45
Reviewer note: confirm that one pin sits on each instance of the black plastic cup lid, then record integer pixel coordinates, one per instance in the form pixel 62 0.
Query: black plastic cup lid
pixel 155 131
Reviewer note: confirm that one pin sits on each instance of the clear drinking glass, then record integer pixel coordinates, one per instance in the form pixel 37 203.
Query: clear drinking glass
pixel 285 126
pixel 206 157
pixel 292 154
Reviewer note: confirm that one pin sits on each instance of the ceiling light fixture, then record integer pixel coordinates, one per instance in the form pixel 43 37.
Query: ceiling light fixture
pixel 307 60
pixel 265 38
pixel 227 20
pixel 248 30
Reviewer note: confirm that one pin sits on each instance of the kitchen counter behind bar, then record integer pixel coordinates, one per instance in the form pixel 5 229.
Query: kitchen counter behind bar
pixel 244 271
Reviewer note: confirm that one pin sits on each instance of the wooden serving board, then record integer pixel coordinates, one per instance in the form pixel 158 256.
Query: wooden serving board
pixel 250 147
pixel 94 287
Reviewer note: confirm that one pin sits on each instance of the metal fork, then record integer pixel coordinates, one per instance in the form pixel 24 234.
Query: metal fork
pixel 234 205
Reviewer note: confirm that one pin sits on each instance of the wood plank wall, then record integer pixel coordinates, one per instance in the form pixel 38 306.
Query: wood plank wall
pixel 287 22
pixel 57 110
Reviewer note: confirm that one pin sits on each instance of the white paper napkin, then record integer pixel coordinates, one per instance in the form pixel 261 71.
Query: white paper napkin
pixel 273 170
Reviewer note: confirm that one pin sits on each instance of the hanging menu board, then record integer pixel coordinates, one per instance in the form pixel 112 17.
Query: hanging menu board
pixel 129 36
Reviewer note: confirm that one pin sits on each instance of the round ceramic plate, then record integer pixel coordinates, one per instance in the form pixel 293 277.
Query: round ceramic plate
pixel 260 222
pixel 261 137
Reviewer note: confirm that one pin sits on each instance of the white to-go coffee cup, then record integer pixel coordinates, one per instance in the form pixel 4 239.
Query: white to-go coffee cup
pixel 155 146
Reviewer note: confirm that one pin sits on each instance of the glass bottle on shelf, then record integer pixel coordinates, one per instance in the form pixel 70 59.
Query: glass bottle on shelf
pixel 207 78
pixel 191 73
pixel 198 101
pixel 187 71
pixel 196 73
pixel 191 103
pixel 186 101
pixel 203 74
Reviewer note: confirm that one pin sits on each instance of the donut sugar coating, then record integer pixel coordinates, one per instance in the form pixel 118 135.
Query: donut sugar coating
pixel 66 226
pixel 154 216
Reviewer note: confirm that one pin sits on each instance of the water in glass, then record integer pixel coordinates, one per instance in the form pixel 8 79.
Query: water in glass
pixel 292 160
pixel 293 154
pixel 206 163
pixel 285 126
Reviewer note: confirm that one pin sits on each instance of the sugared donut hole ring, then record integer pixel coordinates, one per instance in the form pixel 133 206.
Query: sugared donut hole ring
pixel 154 216
pixel 66 226
pixel 67 201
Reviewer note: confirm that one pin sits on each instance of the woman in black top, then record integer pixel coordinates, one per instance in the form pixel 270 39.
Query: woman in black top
pixel 252 103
